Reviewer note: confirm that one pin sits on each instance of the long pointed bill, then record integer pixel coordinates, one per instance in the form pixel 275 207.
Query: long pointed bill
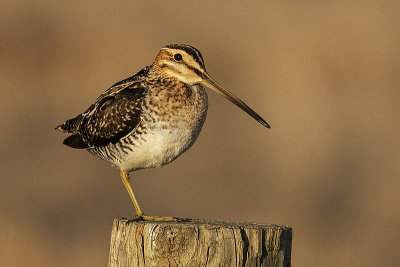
pixel 212 84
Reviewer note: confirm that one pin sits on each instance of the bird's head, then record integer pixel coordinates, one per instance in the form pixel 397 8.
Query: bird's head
pixel 185 63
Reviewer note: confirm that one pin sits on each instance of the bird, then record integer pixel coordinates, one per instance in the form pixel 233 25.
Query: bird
pixel 151 118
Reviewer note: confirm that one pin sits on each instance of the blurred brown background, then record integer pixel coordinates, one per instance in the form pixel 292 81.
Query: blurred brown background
pixel 325 74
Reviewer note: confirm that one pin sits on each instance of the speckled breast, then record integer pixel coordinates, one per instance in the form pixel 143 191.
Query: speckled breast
pixel 170 124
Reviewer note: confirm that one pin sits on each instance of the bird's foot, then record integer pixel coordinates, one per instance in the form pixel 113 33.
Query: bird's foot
pixel 142 217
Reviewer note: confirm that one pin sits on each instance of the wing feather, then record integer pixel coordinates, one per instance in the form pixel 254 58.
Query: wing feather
pixel 115 113
pixel 115 117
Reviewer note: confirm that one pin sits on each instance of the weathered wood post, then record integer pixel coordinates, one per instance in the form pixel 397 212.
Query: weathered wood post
pixel 199 243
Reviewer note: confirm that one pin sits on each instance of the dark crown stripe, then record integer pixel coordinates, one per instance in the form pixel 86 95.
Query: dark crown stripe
pixel 191 51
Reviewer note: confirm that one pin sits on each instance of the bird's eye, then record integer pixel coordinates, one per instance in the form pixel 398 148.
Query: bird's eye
pixel 178 57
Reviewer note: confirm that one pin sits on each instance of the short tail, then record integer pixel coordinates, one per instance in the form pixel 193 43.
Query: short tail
pixel 70 126
pixel 75 141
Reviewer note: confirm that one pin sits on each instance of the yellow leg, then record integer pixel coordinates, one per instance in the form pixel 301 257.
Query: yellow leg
pixel 139 212
pixel 125 180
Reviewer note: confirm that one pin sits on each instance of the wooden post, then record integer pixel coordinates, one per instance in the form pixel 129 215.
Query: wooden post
pixel 199 243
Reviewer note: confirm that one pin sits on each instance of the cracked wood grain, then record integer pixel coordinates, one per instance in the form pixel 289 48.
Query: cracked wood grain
pixel 199 243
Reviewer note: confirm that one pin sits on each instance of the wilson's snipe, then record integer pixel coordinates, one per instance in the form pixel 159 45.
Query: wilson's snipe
pixel 151 118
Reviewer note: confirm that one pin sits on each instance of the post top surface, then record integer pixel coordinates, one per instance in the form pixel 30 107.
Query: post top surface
pixel 209 223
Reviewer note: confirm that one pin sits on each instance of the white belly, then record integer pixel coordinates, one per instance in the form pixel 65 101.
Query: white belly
pixel 160 148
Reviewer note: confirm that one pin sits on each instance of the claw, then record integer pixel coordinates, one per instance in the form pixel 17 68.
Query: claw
pixel 143 217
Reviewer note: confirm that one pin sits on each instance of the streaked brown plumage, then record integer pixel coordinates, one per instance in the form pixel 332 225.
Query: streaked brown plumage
pixel 151 118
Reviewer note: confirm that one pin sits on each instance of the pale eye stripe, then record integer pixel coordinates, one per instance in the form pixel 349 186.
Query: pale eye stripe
pixel 188 50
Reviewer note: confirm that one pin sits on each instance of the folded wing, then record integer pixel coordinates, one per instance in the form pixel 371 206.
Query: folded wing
pixel 115 114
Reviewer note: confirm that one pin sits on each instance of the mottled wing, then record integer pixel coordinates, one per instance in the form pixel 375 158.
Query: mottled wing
pixel 113 118
pixel 114 114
